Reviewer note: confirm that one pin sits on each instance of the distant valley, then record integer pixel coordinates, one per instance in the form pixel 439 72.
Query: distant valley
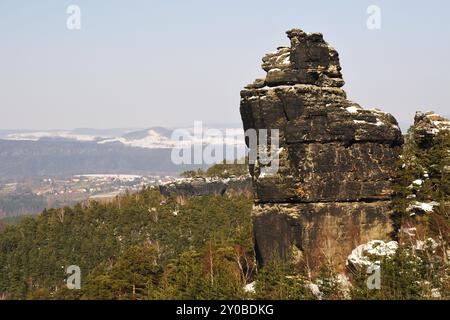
pixel 53 168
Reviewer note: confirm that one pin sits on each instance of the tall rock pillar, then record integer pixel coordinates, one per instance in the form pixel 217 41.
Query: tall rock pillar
pixel 333 188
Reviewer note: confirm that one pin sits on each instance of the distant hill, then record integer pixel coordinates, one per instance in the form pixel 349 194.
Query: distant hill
pixel 25 159
pixel 141 134
pixel 152 137
pixel 43 153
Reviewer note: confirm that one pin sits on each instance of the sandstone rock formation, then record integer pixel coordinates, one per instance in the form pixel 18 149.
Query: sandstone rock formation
pixel 333 187
pixel 190 187
pixel 425 179
pixel 427 125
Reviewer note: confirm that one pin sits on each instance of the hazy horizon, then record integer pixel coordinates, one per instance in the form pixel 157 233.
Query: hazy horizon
pixel 138 64
pixel 187 125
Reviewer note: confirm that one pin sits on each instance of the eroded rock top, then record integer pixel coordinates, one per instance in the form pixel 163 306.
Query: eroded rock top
pixel 427 125
pixel 309 60
pixel 430 122
pixel 301 96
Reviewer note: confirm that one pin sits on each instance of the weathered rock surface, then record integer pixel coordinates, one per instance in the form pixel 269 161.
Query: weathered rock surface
pixel 427 125
pixel 314 231
pixel 336 160
pixel 190 187
pixel 309 60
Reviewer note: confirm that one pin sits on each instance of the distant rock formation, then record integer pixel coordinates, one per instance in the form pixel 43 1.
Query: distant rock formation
pixel 190 187
pixel 427 125
pixel 425 179
pixel 333 188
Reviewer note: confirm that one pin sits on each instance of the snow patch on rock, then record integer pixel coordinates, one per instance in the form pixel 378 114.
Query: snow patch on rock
pixel 352 109
pixel 364 254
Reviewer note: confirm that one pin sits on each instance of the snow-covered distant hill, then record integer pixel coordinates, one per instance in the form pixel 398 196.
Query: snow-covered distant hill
pixel 151 138
pixel 53 135
pixel 79 134
pixel 46 153
pixel 156 137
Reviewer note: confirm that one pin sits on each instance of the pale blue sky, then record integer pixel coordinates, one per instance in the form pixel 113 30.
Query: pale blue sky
pixel 144 63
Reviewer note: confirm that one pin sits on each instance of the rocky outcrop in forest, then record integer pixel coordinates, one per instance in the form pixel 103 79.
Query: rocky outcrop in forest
pixel 190 187
pixel 423 195
pixel 427 125
pixel 333 188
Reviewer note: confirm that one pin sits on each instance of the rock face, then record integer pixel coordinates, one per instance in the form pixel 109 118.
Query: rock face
pixel 190 187
pixel 427 125
pixel 333 187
